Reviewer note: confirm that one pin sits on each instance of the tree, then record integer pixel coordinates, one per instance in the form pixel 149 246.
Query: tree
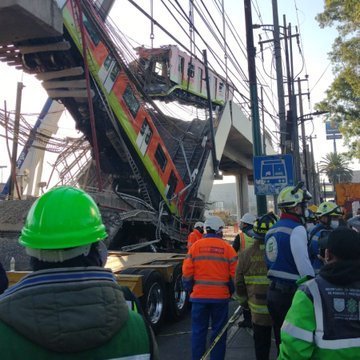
pixel 336 168
pixel 343 96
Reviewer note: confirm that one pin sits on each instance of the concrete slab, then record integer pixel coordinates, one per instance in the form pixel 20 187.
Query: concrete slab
pixel 23 20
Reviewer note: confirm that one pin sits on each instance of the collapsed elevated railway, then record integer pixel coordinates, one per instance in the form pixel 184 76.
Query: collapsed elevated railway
pixel 155 171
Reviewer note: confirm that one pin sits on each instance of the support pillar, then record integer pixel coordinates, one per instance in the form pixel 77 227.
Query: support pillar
pixel 242 195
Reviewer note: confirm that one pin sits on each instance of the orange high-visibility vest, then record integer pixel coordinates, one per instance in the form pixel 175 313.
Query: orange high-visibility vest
pixel 210 264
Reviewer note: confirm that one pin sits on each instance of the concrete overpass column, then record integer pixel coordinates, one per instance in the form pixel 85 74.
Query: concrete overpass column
pixel 242 195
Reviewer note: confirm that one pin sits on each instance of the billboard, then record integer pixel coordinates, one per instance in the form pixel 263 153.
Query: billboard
pixel 332 130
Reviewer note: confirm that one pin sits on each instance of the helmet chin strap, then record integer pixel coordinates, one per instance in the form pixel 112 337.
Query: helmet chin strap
pixel 301 217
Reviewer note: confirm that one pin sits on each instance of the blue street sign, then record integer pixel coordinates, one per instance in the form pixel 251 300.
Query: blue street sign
pixel 272 173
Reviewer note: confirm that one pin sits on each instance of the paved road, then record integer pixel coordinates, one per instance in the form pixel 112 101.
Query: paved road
pixel 174 341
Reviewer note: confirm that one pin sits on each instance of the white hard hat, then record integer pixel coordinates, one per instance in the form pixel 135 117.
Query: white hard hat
pixel 248 218
pixel 214 223
pixel 199 224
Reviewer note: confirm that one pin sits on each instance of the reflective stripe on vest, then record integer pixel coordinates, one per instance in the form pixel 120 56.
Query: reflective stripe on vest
pixel 297 332
pixel 319 316
pixel 210 282
pixel 212 258
pixel 256 280
pixel 258 309
pixel 283 229
pixel 134 357
pixel 283 275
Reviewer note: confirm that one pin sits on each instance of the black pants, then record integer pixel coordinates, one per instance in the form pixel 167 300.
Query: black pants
pixel 262 340
pixel 279 302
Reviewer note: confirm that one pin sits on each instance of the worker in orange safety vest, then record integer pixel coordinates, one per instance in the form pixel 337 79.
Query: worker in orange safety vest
pixel 196 234
pixel 208 274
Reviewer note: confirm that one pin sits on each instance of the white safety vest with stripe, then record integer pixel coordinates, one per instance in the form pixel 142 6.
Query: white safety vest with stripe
pixel 323 322
pixel 279 257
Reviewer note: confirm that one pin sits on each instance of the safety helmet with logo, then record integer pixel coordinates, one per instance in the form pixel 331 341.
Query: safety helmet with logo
pixel 292 196
pixel 214 223
pixel 328 208
pixel 248 218
pixel 199 224
pixel 263 224
pixel 64 218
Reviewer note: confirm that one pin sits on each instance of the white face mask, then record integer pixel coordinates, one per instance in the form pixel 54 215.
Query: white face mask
pixel 334 224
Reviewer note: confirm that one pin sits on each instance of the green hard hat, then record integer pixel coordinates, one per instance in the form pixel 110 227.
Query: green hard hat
pixel 62 218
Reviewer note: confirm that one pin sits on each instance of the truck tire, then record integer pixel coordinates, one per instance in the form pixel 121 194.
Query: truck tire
pixel 178 297
pixel 153 301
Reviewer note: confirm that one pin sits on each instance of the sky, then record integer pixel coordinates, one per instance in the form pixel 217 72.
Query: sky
pixel 315 43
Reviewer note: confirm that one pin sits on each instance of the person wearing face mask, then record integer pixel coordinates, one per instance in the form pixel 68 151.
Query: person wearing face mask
pixel 324 319
pixel 328 214
pixel 286 253
pixel 70 307
pixel 311 219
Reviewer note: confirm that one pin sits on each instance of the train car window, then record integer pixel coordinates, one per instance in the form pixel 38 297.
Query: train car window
pixel 191 70
pixel 91 31
pixel 108 61
pixel 114 72
pixel 160 157
pixel 172 185
pixel 131 101
pixel 159 68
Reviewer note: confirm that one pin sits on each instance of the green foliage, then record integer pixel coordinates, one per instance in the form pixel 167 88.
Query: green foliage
pixel 343 96
pixel 336 168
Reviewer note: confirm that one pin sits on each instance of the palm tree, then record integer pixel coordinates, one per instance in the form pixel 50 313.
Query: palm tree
pixel 336 168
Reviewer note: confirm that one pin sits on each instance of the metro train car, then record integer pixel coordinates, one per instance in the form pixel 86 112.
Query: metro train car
pixel 171 74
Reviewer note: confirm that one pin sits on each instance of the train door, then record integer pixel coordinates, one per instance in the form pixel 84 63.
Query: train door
pixel 108 72
pixel 144 137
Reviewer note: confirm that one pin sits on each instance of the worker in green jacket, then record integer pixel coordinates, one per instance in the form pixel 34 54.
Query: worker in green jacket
pixel 324 319
pixel 70 307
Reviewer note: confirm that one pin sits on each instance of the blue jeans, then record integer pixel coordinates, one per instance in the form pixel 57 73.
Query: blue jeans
pixel 201 313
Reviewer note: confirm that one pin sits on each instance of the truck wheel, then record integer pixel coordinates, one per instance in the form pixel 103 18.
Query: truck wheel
pixel 153 300
pixel 178 297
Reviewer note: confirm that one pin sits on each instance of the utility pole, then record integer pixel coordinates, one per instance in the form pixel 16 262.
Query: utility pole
pixel 15 142
pixel 251 52
pixel 279 77
pixel 292 127
pixel 303 135
pixel 263 120
pixel 315 176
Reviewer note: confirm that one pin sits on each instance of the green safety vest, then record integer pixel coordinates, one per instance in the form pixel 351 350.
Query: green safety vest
pixel 302 334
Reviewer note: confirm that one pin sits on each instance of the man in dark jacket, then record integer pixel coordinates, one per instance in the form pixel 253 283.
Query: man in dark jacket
pixel 70 307
pixel 324 319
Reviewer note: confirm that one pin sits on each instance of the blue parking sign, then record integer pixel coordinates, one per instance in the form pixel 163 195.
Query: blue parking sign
pixel 272 173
